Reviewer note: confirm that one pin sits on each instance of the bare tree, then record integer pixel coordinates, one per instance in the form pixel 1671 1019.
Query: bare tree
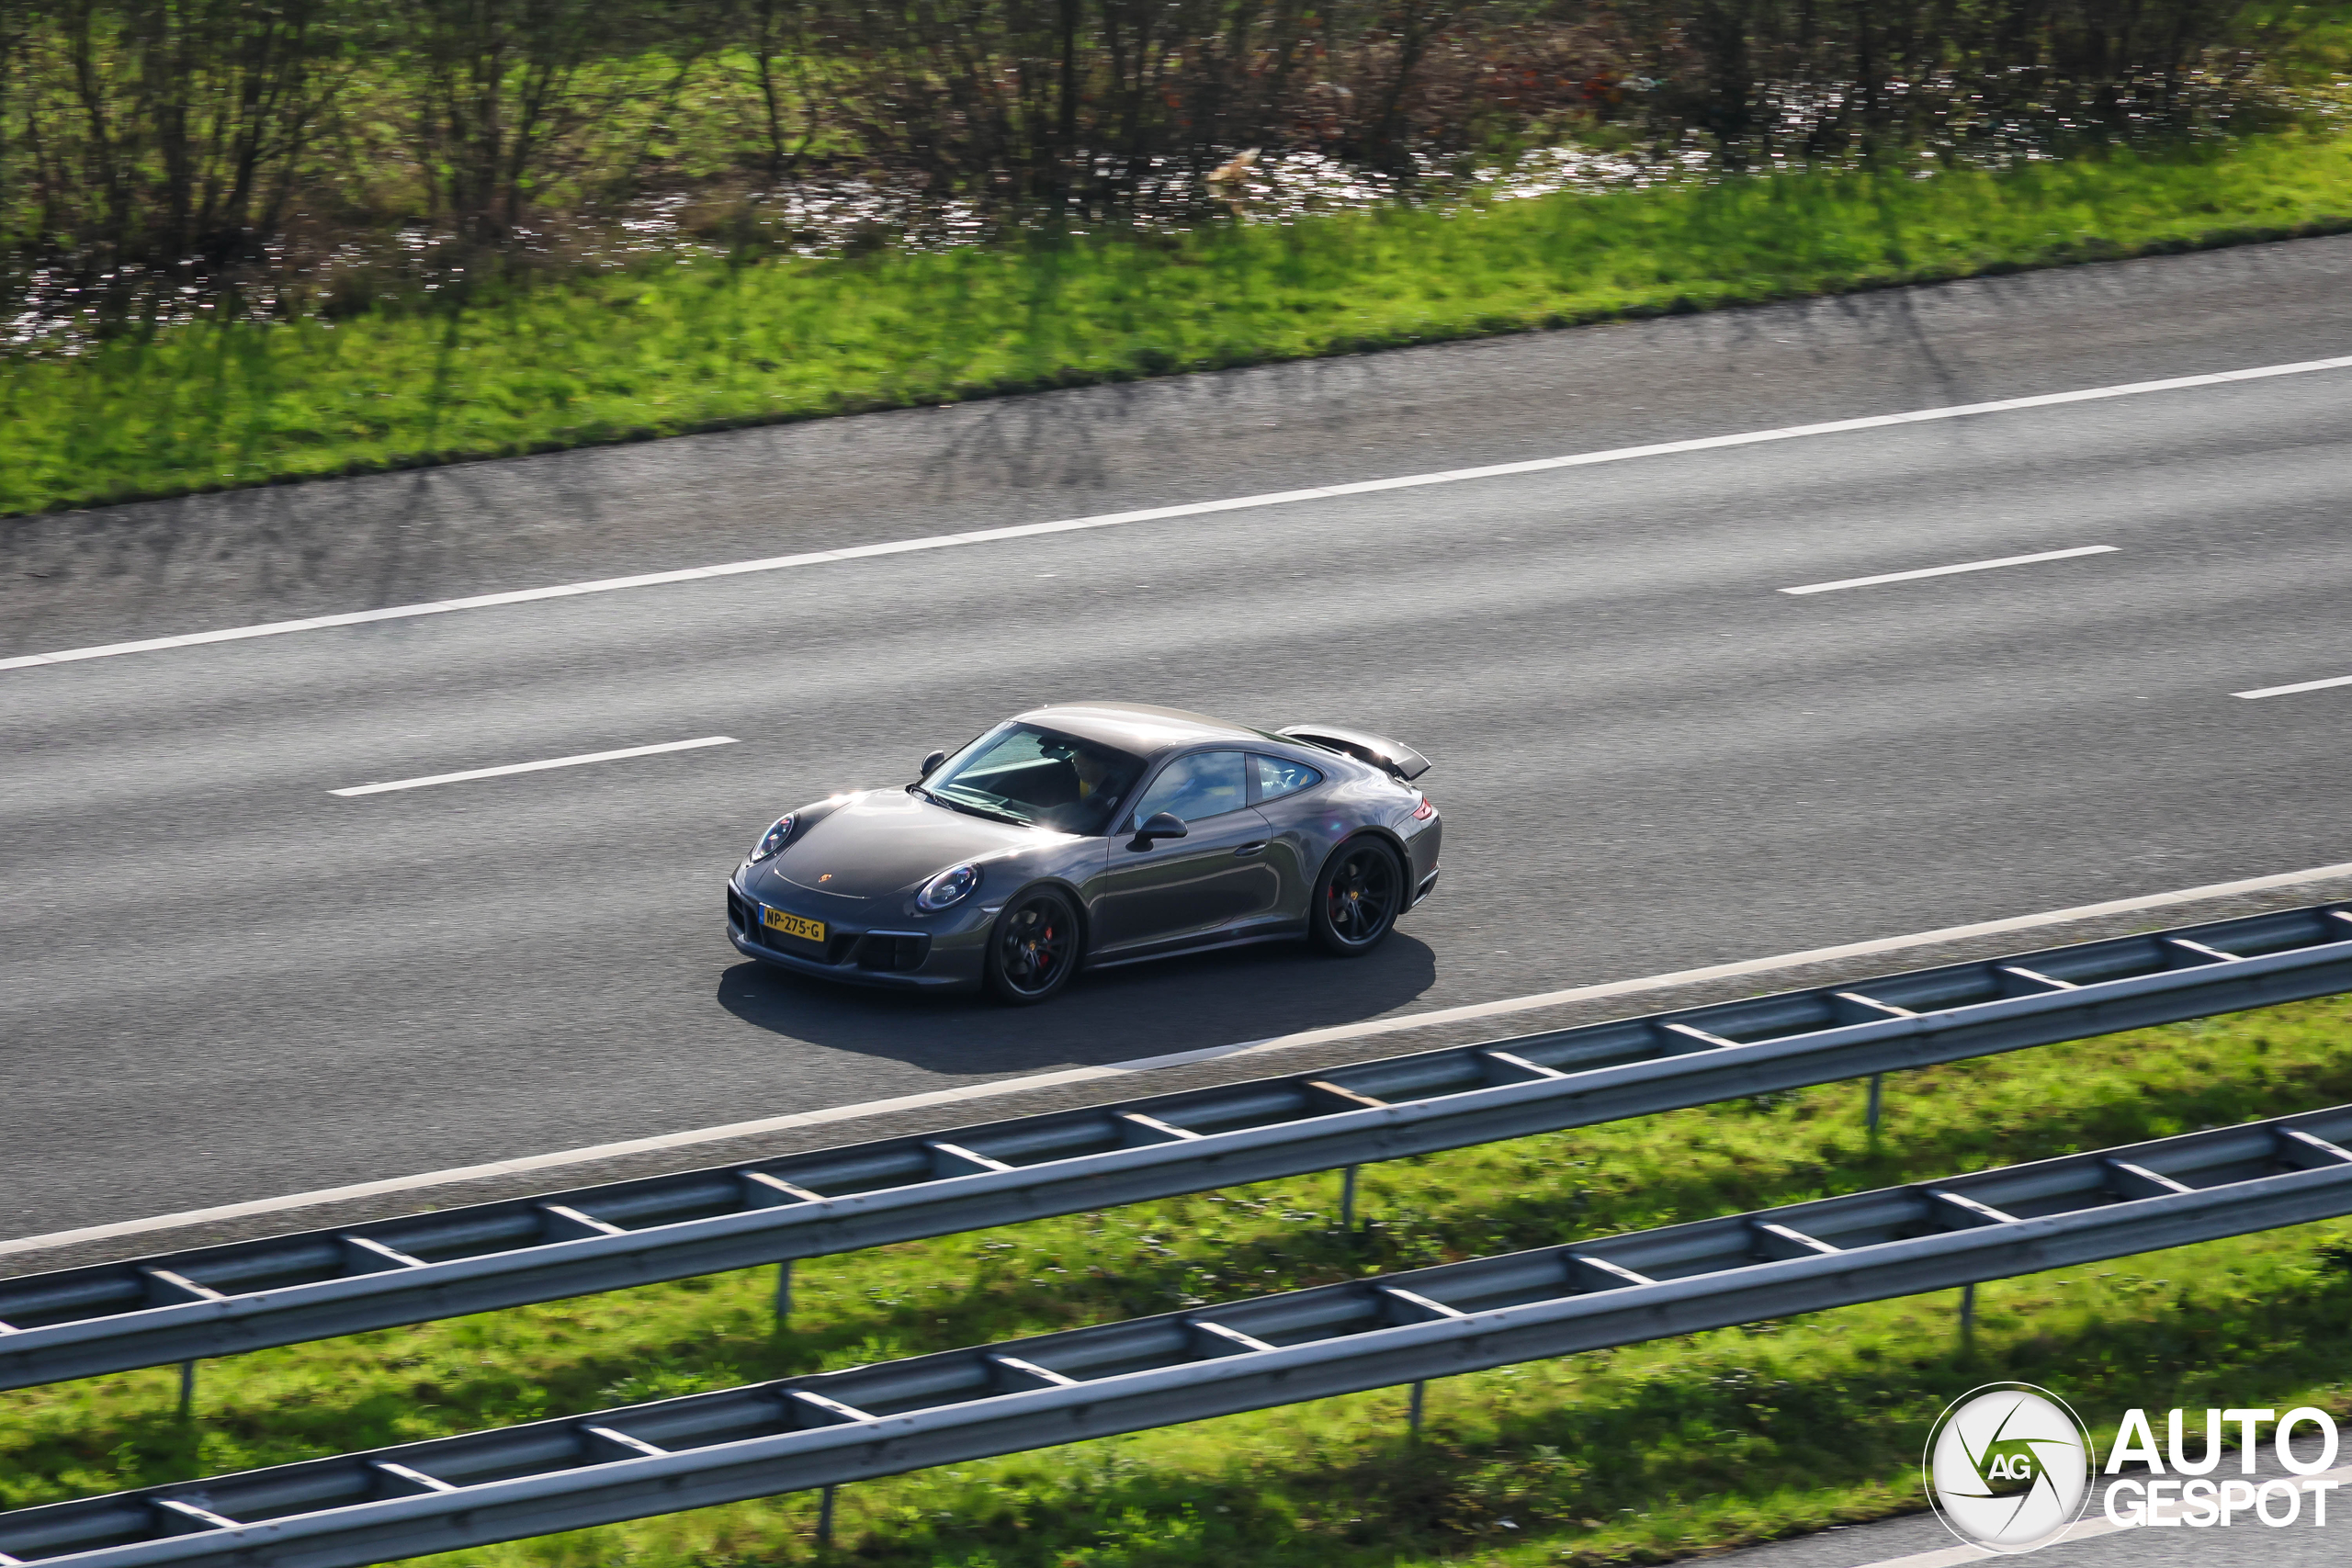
pixel 496 87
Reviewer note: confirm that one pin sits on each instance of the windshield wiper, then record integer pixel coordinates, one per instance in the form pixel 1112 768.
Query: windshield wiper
pixel 991 816
pixel 967 809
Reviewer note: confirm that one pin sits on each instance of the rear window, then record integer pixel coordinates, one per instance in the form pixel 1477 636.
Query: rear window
pixel 1279 776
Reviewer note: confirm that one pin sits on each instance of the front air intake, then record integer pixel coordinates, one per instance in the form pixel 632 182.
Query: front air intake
pixel 893 951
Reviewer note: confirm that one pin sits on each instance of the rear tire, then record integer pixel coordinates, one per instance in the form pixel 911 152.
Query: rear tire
pixel 1033 948
pixel 1357 898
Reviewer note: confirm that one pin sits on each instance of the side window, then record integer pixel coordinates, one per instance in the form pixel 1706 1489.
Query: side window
pixel 1278 776
pixel 1209 784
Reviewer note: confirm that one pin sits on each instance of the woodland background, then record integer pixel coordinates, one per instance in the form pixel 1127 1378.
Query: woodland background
pixel 197 142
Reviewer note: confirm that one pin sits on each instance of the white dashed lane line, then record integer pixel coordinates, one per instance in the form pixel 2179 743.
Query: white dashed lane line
pixel 539 767
pixel 1952 570
pixel 2297 686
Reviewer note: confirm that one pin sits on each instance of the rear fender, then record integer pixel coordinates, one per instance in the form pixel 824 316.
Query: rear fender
pixel 1386 835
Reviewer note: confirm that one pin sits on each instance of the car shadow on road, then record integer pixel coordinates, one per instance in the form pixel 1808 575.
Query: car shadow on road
pixel 1177 1004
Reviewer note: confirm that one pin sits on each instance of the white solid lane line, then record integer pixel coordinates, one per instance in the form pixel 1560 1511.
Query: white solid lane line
pixel 1162 513
pixel 995 1087
pixel 2299 686
pixel 1950 571
pixel 538 767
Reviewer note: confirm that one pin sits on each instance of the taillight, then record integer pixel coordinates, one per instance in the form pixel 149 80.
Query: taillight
pixel 1426 809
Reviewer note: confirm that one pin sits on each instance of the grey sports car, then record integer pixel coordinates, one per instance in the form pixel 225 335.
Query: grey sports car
pixel 1091 834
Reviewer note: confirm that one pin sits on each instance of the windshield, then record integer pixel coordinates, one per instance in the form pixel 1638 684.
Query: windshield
pixel 1028 774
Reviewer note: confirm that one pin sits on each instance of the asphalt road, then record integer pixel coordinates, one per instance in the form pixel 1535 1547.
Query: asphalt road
pixel 2313 1537
pixel 224 982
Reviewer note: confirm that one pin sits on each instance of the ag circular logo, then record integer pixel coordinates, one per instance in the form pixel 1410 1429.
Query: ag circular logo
pixel 2009 1467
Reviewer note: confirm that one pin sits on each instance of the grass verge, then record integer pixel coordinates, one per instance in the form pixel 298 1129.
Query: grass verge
pixel 1639 1454
pixel 683 348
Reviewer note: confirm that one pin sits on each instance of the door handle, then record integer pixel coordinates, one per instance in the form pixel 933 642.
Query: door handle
pixel 1252 849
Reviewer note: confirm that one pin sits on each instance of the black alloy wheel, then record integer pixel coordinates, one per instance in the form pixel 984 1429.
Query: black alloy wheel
pixel 1034 948
pixel 1358 897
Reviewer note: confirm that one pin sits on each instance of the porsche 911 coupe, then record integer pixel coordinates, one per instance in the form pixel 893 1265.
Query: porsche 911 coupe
pixel 1092 834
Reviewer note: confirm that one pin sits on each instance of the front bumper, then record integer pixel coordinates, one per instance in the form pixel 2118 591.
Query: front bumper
pixel 899 957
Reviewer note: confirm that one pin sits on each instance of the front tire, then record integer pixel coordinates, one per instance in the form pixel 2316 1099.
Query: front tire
pixel 1357 898
pixel 1033 949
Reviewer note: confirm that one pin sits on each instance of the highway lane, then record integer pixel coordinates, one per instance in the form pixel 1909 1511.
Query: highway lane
pixel 233 984
pixel 89 577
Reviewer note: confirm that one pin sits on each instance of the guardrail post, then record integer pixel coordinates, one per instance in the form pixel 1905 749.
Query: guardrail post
pixel 1421 1392
pixel 1348 1203
pixel 1875 1078
pixel 187 1390
pixel 783 1294
pixel 1968 1317
pixel 825 1521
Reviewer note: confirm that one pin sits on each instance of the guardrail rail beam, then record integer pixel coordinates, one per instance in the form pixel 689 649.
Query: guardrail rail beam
pixel 217 1301
pixel 824 1429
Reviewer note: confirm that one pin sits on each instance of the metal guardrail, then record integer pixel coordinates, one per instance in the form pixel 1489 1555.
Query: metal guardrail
pixel 820 1431
pixel 247 1295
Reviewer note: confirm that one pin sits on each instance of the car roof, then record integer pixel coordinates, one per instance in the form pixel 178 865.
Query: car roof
pixel 1142 729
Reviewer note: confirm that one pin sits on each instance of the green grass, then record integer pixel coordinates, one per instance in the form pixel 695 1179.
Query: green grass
pixel 1642 1453
pixel 687 347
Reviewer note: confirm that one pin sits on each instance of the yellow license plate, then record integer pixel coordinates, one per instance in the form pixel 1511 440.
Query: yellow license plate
pixel 793 925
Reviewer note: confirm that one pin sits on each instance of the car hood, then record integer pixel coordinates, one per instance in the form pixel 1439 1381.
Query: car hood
pixel 880 844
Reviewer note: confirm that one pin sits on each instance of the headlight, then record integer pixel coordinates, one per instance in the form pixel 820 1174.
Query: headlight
pixel 773 840
pixel 948 887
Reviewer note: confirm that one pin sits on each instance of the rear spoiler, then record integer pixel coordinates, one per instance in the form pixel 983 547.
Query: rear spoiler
pixel 1377 749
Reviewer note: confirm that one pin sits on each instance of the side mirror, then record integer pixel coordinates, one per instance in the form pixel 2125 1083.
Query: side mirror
pixel 1160 825
pixel 930 763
